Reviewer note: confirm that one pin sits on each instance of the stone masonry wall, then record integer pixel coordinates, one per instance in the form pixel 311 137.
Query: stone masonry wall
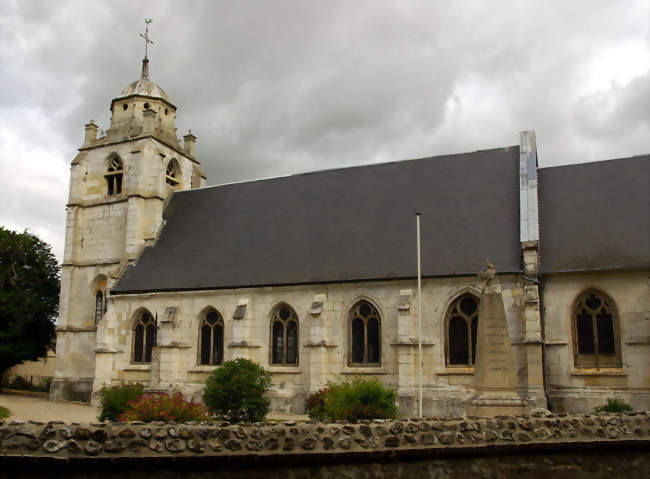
pixel 576 389
pixel 297 441
pixel 323 340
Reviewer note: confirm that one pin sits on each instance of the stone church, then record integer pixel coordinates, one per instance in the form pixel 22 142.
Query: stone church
pixel 314 275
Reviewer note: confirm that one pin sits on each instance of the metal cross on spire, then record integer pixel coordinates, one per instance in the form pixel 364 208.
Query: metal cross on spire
pixel 147 40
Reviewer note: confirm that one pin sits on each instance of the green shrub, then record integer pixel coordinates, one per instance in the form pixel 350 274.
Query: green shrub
pixel 315 405
pixel 19 382
pixel 114 400
pixel 237 391
pixel 4 412
pixel 163 407
pixel 613 405
pixel 43 385
pixel 360 398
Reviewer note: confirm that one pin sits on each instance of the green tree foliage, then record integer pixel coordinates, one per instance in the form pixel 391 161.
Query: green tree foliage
pixel 360 398
pixel 237 391
pixel 29 298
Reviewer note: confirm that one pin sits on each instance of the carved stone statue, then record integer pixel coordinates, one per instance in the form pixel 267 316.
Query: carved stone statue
pixel 487 276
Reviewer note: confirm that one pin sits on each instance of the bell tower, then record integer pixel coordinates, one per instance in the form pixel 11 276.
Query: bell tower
pixel 119 183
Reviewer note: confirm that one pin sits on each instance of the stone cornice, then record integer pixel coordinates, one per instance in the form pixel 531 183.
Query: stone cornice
pixel 178 150
pixel 83 264
pixel 74 329
pixel 119 199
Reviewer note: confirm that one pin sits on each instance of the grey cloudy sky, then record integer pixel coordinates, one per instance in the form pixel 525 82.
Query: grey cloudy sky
pixel 279 87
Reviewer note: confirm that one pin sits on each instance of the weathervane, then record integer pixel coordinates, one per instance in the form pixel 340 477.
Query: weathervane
pixel 147 40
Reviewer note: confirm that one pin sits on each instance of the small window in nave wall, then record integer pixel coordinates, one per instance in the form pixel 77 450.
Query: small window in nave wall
pixel 461 325
pixel 284 336
pixel 365 335
pixel 595 327
pixel 211 339
pixel 144 338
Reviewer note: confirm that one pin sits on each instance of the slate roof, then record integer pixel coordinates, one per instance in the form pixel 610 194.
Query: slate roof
pixel 339 225
pixel 594 216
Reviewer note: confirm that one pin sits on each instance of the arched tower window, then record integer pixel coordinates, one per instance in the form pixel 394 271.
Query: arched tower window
pixel 284 336
pixel 114 175
pixel 211 338
pixel 98 289
pixel 173 172
pixel 595 327
pixel 144 338
pixel 365 335
pixel 99 306
pixel 462 324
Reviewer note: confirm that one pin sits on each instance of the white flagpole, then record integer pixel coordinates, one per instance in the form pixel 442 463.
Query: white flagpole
pixel 417 216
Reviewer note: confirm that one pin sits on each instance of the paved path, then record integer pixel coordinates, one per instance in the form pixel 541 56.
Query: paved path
pixel 37 407
pixel 30 406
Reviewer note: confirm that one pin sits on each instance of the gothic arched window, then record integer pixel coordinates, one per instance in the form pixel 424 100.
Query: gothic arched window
pixel 98 287
pixel 365 335
pixel 173 172
pixel 461 327
pixel 99 306
pixel 144 338
pixel 114 175
pixel 284 336
pixel 211 338
pixel 595 331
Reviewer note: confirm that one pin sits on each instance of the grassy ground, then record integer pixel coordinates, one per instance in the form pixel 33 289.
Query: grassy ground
pixel 4 412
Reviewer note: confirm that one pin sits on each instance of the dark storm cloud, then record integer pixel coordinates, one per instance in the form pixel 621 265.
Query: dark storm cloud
pixel 273 88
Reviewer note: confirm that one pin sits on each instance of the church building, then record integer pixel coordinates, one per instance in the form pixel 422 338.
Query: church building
pixel 314 275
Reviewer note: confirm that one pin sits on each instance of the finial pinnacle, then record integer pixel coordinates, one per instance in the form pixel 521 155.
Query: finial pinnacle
pixel 147 40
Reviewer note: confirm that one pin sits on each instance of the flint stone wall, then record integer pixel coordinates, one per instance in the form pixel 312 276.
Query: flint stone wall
pixel 300 441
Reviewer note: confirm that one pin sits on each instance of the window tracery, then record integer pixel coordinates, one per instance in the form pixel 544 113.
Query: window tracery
pixel 284 336
pixel 114 175
pixel 596 331
pixel 211 339
pixel 172 173
pixel 144 338
pixel 461 328
pixel 365 335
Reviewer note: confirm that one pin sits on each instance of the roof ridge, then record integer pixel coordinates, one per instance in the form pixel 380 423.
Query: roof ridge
pixel 583 163
pixel 367 165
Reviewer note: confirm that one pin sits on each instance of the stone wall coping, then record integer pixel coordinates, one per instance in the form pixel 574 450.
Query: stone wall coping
pixel 295 441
